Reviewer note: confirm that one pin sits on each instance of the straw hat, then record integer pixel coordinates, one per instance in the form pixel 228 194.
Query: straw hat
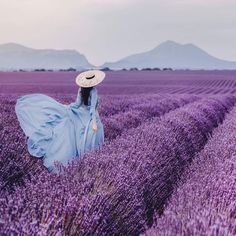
pixel 90 78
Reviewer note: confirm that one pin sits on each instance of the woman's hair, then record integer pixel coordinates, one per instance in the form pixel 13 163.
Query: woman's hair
pixel 84 92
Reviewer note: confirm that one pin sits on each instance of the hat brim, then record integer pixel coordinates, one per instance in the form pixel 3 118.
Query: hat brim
pixel 90 78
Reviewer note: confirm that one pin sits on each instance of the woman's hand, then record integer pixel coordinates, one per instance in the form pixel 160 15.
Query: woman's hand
pixel 95 126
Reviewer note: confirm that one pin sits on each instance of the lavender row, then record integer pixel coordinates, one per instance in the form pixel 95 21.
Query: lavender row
pixel 204 201
pixel 111 105
pixel 115 189
pixel 117 124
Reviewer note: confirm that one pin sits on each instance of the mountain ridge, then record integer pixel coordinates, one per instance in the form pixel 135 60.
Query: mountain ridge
pixel 170 54
pixel 16 56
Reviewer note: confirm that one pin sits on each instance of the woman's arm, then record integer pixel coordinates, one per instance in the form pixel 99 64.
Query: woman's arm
pixel 78 98
pixel 94 98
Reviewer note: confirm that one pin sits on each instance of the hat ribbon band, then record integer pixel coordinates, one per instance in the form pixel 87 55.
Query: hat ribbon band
pixel 91 77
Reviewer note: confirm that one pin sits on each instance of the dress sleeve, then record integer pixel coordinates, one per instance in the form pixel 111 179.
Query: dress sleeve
pixel 78 98
pixel 77 102
pixel 94 99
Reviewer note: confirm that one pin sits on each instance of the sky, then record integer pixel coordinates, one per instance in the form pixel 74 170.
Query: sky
pixel 108 30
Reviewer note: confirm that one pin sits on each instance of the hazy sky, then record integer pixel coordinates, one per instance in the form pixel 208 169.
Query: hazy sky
pixel 108 30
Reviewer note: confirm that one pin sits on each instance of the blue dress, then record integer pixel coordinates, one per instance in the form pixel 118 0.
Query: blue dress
pixel 58 132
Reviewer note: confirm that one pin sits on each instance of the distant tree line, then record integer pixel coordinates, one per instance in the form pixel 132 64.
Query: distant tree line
pixel 103 69
pixel 135 68
pixel 147 69
pixel 46 70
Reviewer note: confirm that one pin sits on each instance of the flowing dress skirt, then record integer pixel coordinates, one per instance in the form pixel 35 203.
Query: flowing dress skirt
pixel 55 131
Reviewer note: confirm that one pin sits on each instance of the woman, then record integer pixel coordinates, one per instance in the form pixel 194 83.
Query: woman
pixel 58 132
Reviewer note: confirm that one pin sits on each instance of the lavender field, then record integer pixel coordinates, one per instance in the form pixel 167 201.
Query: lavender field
pixel 167 166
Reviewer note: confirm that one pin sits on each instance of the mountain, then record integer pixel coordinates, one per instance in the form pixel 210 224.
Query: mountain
pixel 14 56
pixel 174 55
